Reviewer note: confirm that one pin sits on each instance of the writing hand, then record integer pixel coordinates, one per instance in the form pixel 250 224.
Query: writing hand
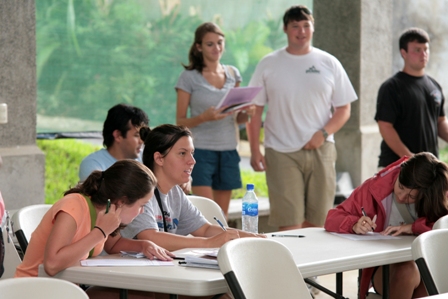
pixel 364 226
pixel 221 238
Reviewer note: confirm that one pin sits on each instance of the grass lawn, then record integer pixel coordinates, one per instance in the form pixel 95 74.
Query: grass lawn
pixel 63 157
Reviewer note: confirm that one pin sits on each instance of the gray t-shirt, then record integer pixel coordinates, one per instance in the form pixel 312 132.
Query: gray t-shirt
pixel 182 217
pixel 212 135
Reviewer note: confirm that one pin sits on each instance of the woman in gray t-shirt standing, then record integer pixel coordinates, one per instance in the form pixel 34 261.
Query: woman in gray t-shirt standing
pixel 200 87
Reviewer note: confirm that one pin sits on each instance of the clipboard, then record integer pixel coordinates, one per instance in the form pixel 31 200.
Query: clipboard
pixel 238 97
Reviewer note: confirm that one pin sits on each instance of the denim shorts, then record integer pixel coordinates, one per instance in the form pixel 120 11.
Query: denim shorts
pixel 217 169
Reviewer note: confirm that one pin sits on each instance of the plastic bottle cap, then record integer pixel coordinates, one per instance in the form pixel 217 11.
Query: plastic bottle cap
pixel 250 187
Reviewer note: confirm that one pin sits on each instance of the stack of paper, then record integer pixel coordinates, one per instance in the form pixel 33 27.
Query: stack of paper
pixel 200 262
pixel 123 262
pixel 198 257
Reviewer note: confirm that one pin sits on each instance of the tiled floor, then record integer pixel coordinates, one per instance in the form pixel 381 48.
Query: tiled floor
pixel 350 285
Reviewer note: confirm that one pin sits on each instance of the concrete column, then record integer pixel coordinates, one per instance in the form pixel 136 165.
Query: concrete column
pixel 22 174
pixel 359 34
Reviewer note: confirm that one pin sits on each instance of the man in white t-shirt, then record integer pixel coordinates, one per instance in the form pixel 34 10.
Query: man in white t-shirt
pixel 308 94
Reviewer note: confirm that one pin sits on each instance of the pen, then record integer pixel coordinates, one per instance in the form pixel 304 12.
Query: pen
pixel 108 206
pixel 220 223
pixel 363 212
pixel 290 236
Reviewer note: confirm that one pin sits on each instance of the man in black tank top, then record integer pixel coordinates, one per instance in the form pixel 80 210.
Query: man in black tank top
pixel 410 112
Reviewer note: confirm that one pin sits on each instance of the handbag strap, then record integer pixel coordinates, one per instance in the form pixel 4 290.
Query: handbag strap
pixel 159 201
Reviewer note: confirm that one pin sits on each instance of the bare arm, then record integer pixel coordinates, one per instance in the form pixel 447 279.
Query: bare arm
pixel 60 252
pixel 183 101
pixel 392 139
pixel 340 116
pixel 442 128
pixel 253 133
pixel 200 240
pixel 151 250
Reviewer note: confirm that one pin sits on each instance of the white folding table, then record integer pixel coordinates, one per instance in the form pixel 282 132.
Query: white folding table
pixel 318 253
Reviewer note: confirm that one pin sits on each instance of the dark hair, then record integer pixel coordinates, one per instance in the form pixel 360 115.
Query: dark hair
pixel 127 180
pixel 195 58
pixel 161 139
pixel 118 118
pixel 412 35
pixel 297 13
pixel 429 176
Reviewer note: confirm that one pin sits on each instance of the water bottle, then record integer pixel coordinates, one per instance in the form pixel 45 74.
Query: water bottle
pixel 250 210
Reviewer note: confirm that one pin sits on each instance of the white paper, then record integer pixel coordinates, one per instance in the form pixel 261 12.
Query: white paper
pixel 368 236
pixel 122 262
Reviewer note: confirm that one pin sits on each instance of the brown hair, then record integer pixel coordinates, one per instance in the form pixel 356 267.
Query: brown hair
pixel 297 13
pixel 195 58
pixel 126 180
pixel 161 139
pixel 429 176
pixel 412 35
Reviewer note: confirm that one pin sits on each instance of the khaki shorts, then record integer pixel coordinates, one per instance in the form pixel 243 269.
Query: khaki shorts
pixel 301 185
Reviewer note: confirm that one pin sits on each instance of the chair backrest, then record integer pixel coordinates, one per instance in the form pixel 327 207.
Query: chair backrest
pixel 208 208
pixel 40 288
pixel 429 252
pixel 261 268
pixel 25 221
pixel 441 223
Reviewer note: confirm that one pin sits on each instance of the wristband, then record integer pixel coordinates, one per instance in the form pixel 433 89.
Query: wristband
pixel 102 231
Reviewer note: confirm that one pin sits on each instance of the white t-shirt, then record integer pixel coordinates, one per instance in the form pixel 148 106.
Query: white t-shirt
pixel 300 91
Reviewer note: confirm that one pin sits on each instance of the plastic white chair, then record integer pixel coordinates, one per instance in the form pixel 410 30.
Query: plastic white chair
pixel 40 288
pixel 261 268
pixel 25 221
pixel 441 223
pixel 429 252
pixel 208 208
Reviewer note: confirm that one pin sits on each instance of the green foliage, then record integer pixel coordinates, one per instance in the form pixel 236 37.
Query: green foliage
pixel 252 177
pixel 62 160
pixel 443 154
pixel 63 157
pixel 92 55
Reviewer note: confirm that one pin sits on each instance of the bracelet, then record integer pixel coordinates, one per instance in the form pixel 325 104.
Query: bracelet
pixel 100 230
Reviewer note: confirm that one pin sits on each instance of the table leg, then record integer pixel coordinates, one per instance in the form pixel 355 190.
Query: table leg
pixel 339 280
pixel 123 294
pixel 386 287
